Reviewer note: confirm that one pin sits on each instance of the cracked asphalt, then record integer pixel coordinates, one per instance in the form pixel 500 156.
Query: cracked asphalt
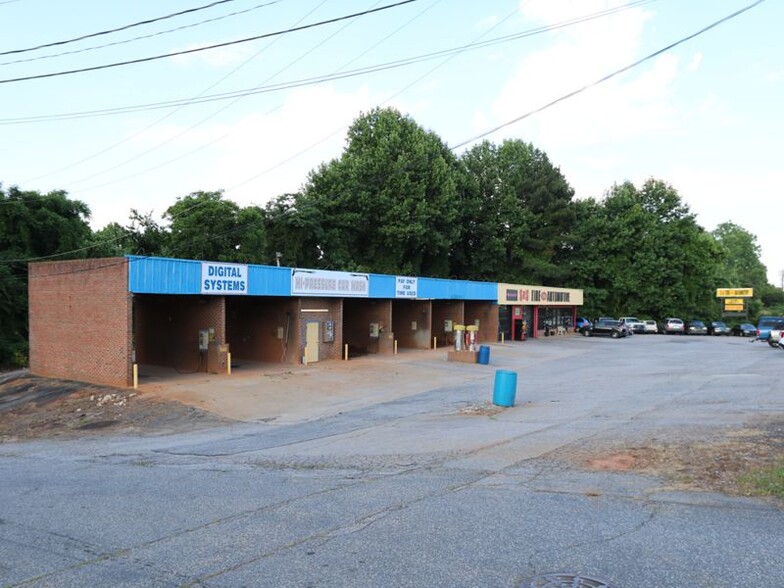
pixel 414 489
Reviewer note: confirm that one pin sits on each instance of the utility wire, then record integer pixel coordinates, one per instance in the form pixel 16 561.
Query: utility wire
pixel 566 96
pixel 337 75
pixel 212 142
pixel 118 29
pixel 611 75
pixel 170 114
pixel 141 37
pixel 206 48
pixel 336 131
pixel 302 56
pixel 22 200
pixel 450 53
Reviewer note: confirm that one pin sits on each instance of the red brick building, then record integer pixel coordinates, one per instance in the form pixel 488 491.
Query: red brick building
pixel 93 320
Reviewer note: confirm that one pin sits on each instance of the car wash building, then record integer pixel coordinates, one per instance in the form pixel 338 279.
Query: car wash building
pixel 526 311
pixel 96 320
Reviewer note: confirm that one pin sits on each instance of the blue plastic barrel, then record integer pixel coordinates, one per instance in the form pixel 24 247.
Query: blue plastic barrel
pixel 505 388
pixel 484 355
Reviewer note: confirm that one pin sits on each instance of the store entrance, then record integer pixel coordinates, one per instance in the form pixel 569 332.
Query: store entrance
pixel 519 324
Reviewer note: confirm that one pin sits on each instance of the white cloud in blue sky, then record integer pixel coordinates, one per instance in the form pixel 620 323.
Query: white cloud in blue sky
pixel 704 116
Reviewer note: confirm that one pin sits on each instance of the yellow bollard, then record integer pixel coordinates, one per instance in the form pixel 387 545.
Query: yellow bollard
pixel 135 376
pixel 228 363
pixel 345 352
pixel 502 337
pixel 395 347
pixel 435 342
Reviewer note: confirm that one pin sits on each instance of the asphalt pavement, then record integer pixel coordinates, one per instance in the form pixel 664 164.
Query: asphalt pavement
pixel 419 482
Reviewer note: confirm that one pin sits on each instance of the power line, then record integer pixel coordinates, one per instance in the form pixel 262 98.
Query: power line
pixel 450 53
pixel 116 30
pixel 97 244
pixel 302 56
pixel 141 37
pixel 338 75
pixel 335 132
pixel 610 76
pixel 212 142
pixel 207 48
pixel 161 119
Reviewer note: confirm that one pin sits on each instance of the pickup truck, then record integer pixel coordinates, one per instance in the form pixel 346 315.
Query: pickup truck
pixel 765 324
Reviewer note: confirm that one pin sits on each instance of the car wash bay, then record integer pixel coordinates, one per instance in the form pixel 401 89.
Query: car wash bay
pixel 205 316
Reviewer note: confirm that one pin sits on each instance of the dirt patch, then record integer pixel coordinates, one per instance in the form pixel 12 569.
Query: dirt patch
pixel 33 407
pixel 720 463
pixel 613 463
pixel 483 409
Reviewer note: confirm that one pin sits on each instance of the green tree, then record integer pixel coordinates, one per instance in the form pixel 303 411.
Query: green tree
pixel 145 235
pixel 33 227
pixel 205 226
pixel 111 241
pixel 740 265
pixel 388 204
pixel 516 215
pixel 292 225
pixel 641 251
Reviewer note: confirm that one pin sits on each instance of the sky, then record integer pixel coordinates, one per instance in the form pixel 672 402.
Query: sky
pixel 704 116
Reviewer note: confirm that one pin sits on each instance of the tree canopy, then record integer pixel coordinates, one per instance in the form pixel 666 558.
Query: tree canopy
pixel 641 251
pixel 515 215
pixel 33 226
pixel 398 201
pixel 388 204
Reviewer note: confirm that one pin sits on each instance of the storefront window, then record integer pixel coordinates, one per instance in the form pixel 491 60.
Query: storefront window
pixel 553 317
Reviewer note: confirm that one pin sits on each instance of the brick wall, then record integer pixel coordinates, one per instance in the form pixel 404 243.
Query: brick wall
pixel 453 310
pixel 487 315
pixel 358 314
pixel 80 320
pixel 252 325
pixel 167 329
pixel 404 314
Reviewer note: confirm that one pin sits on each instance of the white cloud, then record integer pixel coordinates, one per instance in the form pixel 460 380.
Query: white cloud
pixel 695 62
pixel 308 129
pixel 614 110
pixel 750 200
pixel 775 76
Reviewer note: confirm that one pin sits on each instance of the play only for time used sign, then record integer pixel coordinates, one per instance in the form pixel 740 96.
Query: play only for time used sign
pixel 405 287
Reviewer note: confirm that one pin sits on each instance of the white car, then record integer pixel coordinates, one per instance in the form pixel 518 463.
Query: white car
pixel 632 324
pixel 651 326
pixel 775 338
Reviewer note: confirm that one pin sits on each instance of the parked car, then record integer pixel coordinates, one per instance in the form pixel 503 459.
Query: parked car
pixel 606 327
pixel 673 325
pixel 633 324
pixel 744 330
pixel 765 324
pixel 696 327
pixel 774 337
pixel 651 326
pixel 718 328
pixel 580 323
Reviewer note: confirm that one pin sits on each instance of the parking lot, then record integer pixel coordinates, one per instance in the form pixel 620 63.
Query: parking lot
pixel 398 471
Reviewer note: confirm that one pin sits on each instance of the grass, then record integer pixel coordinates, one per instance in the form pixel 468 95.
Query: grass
pixel 765 482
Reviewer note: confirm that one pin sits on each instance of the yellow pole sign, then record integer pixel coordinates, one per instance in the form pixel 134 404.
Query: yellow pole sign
pixel 733 308
pixel 730 301
pixel 734 292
